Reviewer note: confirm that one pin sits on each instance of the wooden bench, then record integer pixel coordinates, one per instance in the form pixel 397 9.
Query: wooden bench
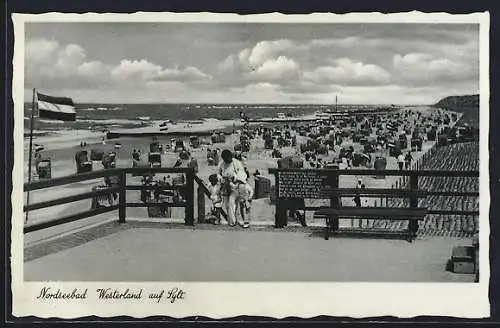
pixel 413 215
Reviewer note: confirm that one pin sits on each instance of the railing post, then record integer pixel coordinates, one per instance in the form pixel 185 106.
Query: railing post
pixel 334 201
pixel 189 209
pixel 280 216
pixel 122 209
pixel 413 186
pixel 201 204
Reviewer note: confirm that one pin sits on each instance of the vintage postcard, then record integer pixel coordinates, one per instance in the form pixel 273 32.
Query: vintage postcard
pixel 272 165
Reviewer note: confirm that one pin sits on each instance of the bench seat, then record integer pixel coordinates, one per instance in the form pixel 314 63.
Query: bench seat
pixel 331 215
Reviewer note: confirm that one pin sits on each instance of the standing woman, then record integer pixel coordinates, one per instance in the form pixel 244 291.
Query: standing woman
pixel 230 171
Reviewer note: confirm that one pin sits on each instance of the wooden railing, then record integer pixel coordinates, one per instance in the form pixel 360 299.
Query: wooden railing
pixel 121 188
pixel 330 189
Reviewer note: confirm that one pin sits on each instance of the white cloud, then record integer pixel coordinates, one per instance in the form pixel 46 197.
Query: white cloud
pixel 135 70
pixel 40 51
pixel 281 68
pixel 49 64
pixel 188 74
pixel 251 59
pixel 347 72
pixel 421 68
pixel 94 70
pixel 346 42
pixel 266 50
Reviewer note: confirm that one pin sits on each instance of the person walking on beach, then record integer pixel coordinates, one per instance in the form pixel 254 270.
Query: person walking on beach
pixel 230 171
pixel 357 197
pixel 401 161
pixel 408 159
pixel 357 201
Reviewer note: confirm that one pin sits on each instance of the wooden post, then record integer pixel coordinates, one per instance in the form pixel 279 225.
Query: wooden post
pixel 201 204
pixel 30 153
pixel 280 216
pixel 413 224
pixel 122 210
pixel 334 201
pixel 189 209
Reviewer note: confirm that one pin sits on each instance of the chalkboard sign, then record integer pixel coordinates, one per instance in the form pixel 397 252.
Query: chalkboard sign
pixel 302 184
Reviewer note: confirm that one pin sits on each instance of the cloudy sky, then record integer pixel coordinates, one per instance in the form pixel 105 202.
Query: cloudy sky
pixel 252 63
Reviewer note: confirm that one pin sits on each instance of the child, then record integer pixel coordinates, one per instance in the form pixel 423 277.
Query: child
pixel 216 197
pixel 245 195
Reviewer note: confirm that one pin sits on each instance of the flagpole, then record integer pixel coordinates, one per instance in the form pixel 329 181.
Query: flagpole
pixel 31 151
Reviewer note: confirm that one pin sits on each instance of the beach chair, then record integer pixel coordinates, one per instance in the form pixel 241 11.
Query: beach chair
pixel 368 148
pixel 137 163
pixel 403 141
pixel 179 146
pixel 269 144
pixel 442 140
pixel 154 159
pixel 194 142
pixel 96 155
pixel 154 147
pixel 416 144
pixel 44 169
pixel 221 137
pixel 276 153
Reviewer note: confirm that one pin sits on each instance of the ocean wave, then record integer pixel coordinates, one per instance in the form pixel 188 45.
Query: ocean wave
pixel 110 121
pixel 91 121
pixel 91 109
pixel 46 121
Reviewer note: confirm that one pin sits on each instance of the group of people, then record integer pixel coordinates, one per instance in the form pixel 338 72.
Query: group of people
pixel 404 161
pixel 230 189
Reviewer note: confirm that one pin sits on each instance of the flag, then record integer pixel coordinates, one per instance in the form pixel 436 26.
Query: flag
pixel 56 108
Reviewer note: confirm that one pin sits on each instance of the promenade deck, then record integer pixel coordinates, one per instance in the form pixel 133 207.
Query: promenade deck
pixel 113 252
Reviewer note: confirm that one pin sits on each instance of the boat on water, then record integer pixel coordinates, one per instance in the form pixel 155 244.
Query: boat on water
pixel 323 115
pixel 144 118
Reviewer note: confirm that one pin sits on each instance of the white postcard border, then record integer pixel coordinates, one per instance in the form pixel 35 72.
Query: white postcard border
pixel 277 300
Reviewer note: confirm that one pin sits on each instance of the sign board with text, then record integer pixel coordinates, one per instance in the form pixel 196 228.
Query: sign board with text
pixel 302 184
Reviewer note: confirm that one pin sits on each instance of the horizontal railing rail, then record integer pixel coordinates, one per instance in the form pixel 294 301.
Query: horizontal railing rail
pixel 395 193
pixel 426 173
pixel 68 219
pixel 79 177
pixel 120 188
pixel 329 189
pixel 70 199
pixel 146 204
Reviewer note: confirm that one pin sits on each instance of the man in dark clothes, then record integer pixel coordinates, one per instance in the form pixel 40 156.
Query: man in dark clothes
pixel 408 159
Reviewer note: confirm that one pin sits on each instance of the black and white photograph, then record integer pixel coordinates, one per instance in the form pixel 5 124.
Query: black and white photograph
pixel 251 151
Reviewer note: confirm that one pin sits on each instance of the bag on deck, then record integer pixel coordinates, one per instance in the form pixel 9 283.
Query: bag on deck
pixel 262 187
pixel 100 201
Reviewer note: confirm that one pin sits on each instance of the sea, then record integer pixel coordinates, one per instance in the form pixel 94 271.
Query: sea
pixel 98 117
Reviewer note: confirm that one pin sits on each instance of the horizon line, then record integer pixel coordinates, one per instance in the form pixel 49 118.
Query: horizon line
pixel 240 103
